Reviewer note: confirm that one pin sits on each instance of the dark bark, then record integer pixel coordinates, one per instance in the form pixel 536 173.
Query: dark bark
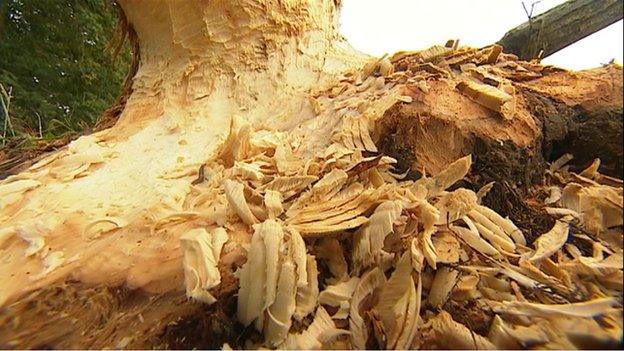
pixel 560 27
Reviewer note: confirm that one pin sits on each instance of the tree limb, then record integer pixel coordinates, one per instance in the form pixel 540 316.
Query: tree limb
pixel 561 26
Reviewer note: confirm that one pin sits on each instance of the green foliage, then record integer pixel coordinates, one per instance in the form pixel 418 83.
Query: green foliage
pixel 54 64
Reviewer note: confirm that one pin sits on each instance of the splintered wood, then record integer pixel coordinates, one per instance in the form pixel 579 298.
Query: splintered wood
pixel 414 247
pixel 436 246
pixel 485 95
pixel 483 76
pixel 340 251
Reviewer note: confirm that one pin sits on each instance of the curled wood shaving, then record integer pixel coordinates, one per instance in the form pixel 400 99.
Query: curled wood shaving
pixel 289 186
pixel 320 228
pixel 282 309
pixel 448 334
pixel 396 307
pixel 277 276
pixel 560 162
pixel 330 184
pixel 554 195
pixel 427 244
pixel 555 270
pixel 330 250
pixel 412 318
pixel 369 240
pixel 337 151
pixel 307 296
pixel 355 134
pixel 446 247
pixel 322 330
pixel 491 231
pixel 201 251
pixel 466 288
pixel 550 242
pixel 369 144
pixel 339 295
pixel 297 250
pixel 429 216
pixel 592 171
pixel 346 216
pixel 508 227
pixel 453 173
pixel 272 235
pixel 418 258
pixel 285 161
pixel 443 283
pixel 456 204
pixel 350 197
pixel 496 295
pixel 236 146
pixel 370 281
pixel 234 191
pixel 506 337
pixel 562 212
pixel 513 273
pixel 265 140
pixel 250 171
pixel 252 279
pixel 273 203
pixel 557 281
pixel 590 266
pixel 473 239
pixel 600 206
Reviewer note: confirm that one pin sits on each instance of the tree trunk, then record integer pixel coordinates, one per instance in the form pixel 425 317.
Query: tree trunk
pixel 561 26
pixel 205 70
pixel 240 112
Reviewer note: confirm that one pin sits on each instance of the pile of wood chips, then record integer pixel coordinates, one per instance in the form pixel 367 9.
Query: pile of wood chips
pixel 346 253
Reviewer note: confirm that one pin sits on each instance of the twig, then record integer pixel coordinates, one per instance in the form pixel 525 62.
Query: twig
pixel 530 13
pixel 5 101
pixel 40 128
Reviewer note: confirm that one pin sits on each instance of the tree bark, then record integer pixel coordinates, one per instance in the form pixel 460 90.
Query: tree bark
pixel 561 26
pixel 249 93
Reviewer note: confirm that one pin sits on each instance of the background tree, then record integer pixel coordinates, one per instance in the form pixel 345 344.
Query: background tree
pixel 52 62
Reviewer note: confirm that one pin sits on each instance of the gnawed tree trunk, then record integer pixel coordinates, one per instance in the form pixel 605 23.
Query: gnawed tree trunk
pixel 205 70
pixel 230 99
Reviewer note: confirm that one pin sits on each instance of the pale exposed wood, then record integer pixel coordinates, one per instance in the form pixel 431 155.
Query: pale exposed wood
pixel 202 76
pixel 256 135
